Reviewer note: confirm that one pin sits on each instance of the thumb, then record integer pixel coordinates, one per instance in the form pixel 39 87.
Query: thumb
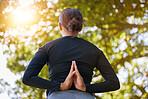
pixel 71 74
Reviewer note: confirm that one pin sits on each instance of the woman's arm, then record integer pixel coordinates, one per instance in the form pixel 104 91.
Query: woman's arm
pixel 31 78
pixel 111 82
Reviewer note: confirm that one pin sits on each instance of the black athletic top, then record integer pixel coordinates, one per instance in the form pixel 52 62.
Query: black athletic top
pixel 59 54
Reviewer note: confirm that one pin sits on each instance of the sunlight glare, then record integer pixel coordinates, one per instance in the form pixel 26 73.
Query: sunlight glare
pixel 26 3
pixel 24 14
pixel 22 17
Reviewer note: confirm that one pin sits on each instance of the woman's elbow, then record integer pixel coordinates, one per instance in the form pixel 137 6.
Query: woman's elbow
pixel 117 85
pixel 114 84
pixel 25 80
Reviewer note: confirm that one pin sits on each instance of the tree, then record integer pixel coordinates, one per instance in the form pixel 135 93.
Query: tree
pixel 115 26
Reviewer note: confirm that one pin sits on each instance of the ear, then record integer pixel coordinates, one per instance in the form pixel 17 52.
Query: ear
pixel 81 27
pixel 60 27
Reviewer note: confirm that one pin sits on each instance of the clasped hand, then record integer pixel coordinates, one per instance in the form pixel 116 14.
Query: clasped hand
pixel 73 77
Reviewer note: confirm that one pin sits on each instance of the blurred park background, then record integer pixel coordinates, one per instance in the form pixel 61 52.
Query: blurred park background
pixel 118 27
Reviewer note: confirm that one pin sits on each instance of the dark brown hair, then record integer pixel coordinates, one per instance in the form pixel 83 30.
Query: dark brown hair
pixel 71 19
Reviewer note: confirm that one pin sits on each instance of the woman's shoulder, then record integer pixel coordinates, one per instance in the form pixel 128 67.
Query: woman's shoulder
pixel 50 44
pixel 90 44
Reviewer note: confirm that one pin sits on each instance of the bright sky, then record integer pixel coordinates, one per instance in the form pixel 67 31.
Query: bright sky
pixel 5 73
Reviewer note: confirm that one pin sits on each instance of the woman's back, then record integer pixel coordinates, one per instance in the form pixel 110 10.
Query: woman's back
pixel 63 51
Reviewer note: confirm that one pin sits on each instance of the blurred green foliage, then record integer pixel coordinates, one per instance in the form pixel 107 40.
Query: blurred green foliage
pixel 115 26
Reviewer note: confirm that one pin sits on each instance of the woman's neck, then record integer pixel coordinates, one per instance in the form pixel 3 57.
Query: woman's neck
pixel 69 34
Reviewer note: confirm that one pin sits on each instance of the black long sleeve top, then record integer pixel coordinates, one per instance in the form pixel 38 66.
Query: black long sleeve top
pixel 59 54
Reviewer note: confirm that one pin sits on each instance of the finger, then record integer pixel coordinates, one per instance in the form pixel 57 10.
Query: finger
pixel 75 66
pixel 77 74
pixel 71 75
pixel 72 67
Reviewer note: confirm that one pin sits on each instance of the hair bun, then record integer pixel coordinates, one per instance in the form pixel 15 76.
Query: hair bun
pixel 71 19
pixel 74 25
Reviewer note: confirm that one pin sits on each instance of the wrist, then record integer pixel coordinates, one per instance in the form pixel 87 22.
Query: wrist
pixel 62 86
pixel 84 88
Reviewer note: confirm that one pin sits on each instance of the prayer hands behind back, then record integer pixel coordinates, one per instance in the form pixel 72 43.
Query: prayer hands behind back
pixel 73 77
